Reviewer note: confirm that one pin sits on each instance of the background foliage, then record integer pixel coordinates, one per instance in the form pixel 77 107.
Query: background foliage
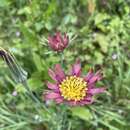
pixel 103 41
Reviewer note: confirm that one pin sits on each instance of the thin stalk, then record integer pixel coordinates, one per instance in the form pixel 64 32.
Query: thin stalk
pixel 73 38
pixel 69 126
pixel 63 123
pixel 33 97
pixel 30 92
pixel 62 59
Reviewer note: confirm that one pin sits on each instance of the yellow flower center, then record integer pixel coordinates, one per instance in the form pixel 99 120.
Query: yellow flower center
pixel 73 88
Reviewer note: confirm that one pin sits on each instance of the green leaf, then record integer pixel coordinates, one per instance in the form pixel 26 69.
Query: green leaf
pixel 29 35
pixel 82 113
pixel 102 41
pixel 100 17
pixel 35 83
pixel 4 3
pixel 38 62
pixel 99 57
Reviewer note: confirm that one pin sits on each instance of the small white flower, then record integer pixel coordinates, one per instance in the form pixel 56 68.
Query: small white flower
pixel 17 33
pixel 120 111
pixel 114 56
pixel 14 93
pixel 38 118
pixel 94 35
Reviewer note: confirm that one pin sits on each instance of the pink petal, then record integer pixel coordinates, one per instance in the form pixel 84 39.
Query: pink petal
pixel 88 98
pixel 59 100
pixel 66 39
pixel 51 42
pixel 85 102
pixel 96 90
pixel 51 95
pixel 90 86
pixel 76 68
pixel 59 71
pixel 72 103
pixel 58 37
pixel 96 77
pixel 52 74
pixel 89 75
pixel 77 103
pixel 52 86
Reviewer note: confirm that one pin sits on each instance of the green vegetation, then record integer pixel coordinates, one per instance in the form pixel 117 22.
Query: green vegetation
pixel 103 42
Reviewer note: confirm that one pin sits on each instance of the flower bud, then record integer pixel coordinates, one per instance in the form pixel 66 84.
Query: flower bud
pixel 57 42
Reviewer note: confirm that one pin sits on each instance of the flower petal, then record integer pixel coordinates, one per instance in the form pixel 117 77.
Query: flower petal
pixel 76 68
pixel 52 86
pixel 85 102
pixel 72 103
pixel 88 98
pixel 66 39
pixel 51 42
pixel 96 77
pixel 96 90
pixel 82 102
pixel 59 100
pixel 52 74
pixel 51 95
pixel 59 37
pixel 90 86
pixel 59 71
pixel 89 75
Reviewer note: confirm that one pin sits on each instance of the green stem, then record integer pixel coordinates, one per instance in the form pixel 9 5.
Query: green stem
pixel 63 123
pixel 69 126
pixel 30 92
pixel 33 97
pixel 62 59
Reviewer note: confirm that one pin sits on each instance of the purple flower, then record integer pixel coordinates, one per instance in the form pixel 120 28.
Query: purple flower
pixel 73 89
pixel 57 42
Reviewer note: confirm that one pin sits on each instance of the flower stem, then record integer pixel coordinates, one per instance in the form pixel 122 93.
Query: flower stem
pixel 33 97
pixel 62 59
pixel 63 123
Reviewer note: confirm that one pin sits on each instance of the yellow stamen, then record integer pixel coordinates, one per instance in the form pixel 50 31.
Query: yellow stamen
pixel 73 88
